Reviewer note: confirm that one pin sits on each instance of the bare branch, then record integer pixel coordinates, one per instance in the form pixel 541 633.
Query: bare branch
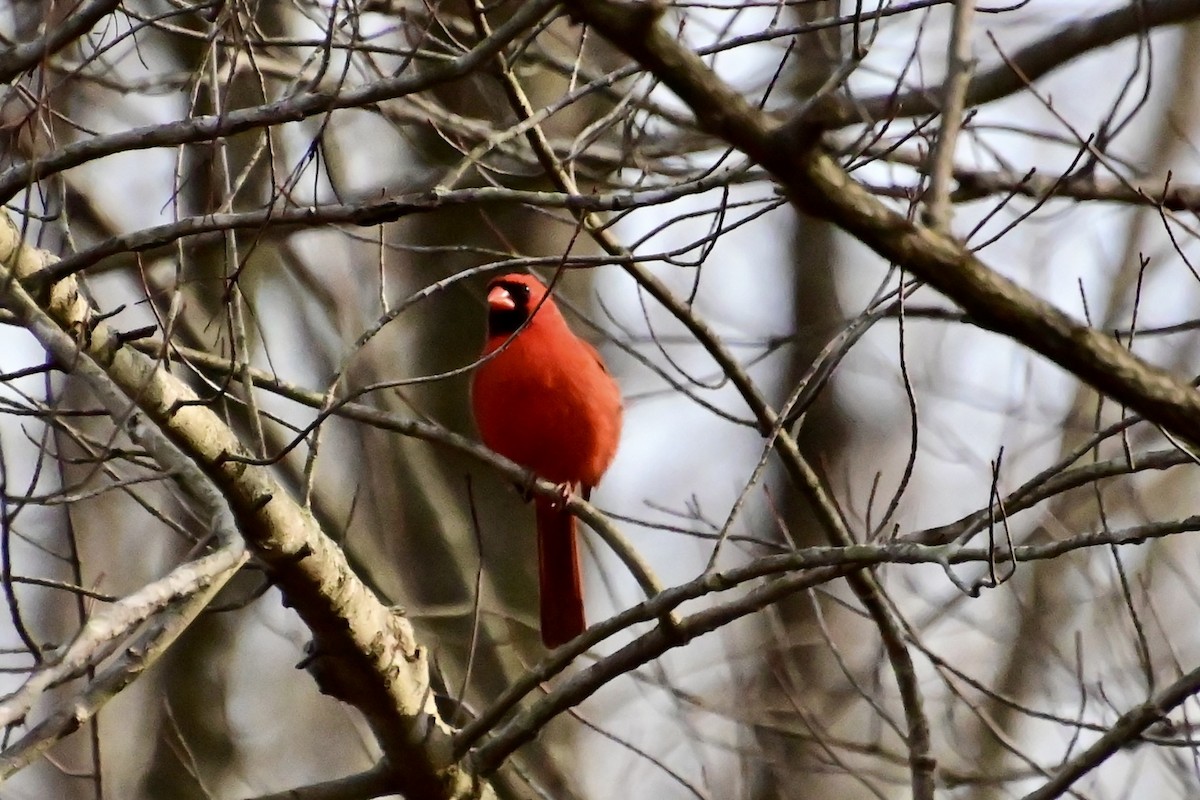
pixel 103 632
pixel 818 185
pixel 369 654
pixel 290 109
pixel 375 782
pixel 1125 730
pixel 73 24
pixel 1035 60
pixel 960 66
pixel 205 578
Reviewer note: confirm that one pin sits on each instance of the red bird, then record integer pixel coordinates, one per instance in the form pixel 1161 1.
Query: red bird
pixel 546 402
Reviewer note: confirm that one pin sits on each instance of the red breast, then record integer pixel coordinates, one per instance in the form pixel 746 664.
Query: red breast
pixel 543 398
pixel 545 401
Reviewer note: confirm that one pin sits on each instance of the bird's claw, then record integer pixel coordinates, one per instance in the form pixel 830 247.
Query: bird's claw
pixel 562 489
pixel 564 495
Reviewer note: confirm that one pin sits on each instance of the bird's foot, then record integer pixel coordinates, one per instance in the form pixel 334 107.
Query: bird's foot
pixel 564 495
pixel 564 490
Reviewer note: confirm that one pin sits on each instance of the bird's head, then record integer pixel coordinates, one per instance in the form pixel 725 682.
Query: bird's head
pixel 512 299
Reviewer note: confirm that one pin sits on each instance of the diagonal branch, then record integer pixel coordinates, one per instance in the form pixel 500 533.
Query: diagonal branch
pixel 107 629
pixel 289 109
pixel 365 653
pixel 818 184
pixel 1125 730
pixel 77 22
pixel 208 574
pixel 1065 44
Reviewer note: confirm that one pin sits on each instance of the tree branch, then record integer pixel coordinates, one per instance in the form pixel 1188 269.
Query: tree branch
pixel 960 65
pixel 369 212
pixel 365 653
pixel 1035 60
pixel 74 24
pixel 290 109
pixel 1126 729
pixel 212 573
pixel 818 185
pixel 103 631
pixel 375 782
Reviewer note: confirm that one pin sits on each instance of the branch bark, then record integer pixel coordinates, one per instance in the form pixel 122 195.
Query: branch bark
pixel 290 109
pixel 21 57
pixel 1125 730
pixel 816 183
pixel 1034 60
pixel 958 80
pixel 366 654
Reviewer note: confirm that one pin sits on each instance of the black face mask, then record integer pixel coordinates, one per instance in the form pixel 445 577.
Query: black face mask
pixel 506 321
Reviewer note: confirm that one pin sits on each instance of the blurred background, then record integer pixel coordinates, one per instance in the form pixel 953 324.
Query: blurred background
pixel 925 421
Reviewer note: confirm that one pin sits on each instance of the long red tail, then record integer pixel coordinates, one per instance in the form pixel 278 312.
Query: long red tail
pixel 558 574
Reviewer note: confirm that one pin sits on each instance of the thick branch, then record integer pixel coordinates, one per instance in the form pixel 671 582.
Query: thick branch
pixel 369 655
pixel 211 573
pixel 21 57
pixel 816 183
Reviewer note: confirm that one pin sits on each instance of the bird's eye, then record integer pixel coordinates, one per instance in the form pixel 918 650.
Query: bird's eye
pixel 520 294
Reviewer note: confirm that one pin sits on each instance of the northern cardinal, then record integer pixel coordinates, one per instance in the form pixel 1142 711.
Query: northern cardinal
pixel 547 402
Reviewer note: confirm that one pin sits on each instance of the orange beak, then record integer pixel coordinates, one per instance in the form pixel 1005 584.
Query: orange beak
pixel 499 299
